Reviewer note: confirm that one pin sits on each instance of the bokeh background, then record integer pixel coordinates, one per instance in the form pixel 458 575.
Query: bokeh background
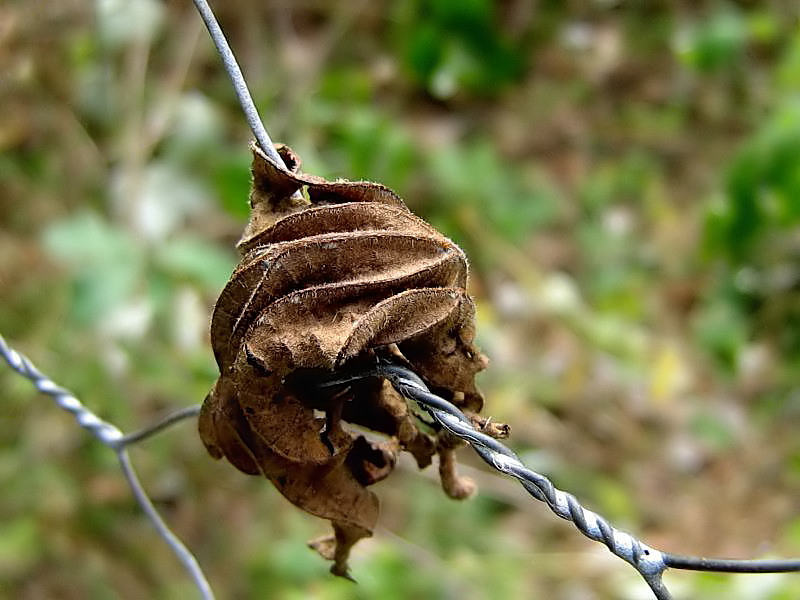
pixel 625 177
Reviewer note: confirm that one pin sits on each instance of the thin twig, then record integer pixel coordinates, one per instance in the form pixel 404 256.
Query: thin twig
pixel 112 437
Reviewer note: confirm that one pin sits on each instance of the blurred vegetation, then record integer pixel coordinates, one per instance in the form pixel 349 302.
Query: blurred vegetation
pixel 625 177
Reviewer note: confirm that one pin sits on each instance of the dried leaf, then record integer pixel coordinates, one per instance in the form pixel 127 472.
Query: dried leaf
pixel 345 276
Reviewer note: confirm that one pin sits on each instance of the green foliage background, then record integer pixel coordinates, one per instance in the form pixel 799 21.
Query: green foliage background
pixel 625 177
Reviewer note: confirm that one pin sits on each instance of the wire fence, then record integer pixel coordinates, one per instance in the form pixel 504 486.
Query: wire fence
pixel 111 436
pixel 649 562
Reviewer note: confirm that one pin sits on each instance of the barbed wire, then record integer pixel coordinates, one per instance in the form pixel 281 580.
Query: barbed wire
pixel 115 439
pixel 649 562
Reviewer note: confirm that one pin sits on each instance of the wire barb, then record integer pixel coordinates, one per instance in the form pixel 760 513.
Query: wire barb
pixel 112 437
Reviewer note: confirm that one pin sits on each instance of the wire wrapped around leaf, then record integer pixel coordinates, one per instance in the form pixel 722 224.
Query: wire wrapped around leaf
pixel 345 276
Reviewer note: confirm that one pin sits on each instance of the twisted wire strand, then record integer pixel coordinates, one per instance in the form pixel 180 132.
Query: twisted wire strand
pixel 112 437
pixel 649 562
pixel 103 431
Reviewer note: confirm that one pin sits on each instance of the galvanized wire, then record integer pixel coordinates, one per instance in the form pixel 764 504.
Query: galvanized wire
pixel 649 562
pixel 238 81
pixel 112 437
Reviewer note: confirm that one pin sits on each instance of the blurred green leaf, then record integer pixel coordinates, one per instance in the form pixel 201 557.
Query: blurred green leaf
pixel 716 42
pixel 195 260
pixel 106 262
pixel 231 180
pixel 121 22
pixel 511 205
pixel 763 185
pixel 455 45
pixel 722 330
pixel 18 546
pixel 712 430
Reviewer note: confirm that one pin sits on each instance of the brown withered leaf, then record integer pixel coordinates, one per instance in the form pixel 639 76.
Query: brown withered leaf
pixel 343 275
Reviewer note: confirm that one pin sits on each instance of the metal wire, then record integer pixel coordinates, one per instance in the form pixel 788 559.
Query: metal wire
pixel 160 425
pixel 728 565
pixel 649 562
pixel 112 437
pixel 238 81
